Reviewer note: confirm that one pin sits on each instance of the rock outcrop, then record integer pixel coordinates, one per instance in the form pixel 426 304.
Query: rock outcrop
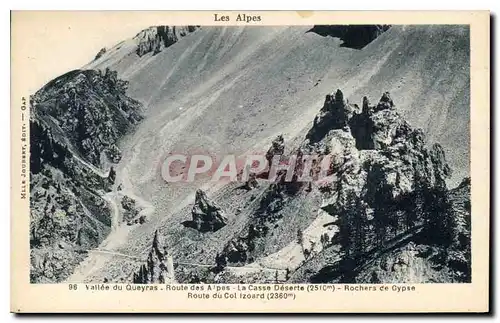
pixel 277 148
pixel 130 211
pixel 99 54
pixel 389 186
pixel 90 110
pixel 353 36
pixel 207 216
pixel 380 158
pixel 239 250
pixel 393 218
pixel 458 255
pixel 251 182
pixel 440 253
pixel 159 267
pixel 73 119
pixel 377 126
pixel 334 114
pixel 155 39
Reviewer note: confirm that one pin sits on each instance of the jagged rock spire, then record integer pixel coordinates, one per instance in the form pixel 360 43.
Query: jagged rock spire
pixel 339 96
pixel 157 247
pixel 373 129
pixel 251 183
pixel 386 97
pixel 366 105
pixel 334 114
pixel 207 216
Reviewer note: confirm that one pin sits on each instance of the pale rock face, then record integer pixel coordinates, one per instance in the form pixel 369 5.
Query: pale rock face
pixel 155 39
pixel 159 268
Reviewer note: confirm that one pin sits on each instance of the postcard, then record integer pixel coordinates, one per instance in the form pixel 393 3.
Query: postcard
pixel 250 162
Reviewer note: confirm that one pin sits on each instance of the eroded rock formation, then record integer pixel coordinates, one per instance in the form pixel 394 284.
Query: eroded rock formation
pixel 159 267
pixel 389 186
pixel 334 114
pixel 73 119
pixel 207 216
pixel 239 250
pixel 277 148
pixel 353 36
pixel 155 39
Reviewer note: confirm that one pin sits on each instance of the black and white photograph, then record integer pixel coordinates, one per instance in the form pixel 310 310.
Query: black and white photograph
pixel 302 154
pixel 232 158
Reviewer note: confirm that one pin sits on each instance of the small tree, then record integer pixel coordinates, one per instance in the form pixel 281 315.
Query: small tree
pixel 300 237
pixel 324 240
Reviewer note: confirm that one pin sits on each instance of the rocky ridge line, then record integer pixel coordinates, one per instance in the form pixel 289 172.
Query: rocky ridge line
pixel 207 215
pixel 388 187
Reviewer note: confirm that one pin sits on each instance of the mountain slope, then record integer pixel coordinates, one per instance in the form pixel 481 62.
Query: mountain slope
pixel 233 89
pixel 75 121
